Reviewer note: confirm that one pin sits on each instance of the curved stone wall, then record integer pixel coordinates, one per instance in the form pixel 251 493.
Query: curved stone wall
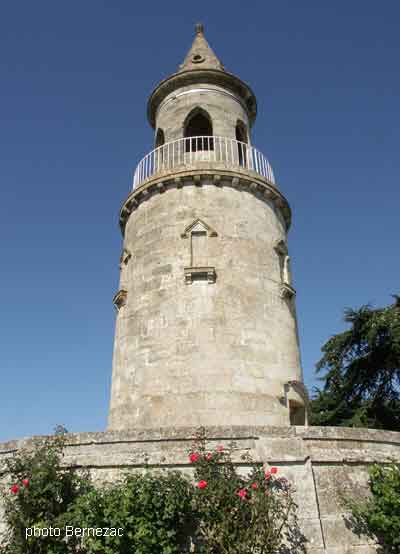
pixel 322 462
pixel 204 332
pixel 224 108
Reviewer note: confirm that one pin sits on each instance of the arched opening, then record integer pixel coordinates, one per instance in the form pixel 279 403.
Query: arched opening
pixel 160 138
pixel 198 124
pixel 159 154
pixel 297 413
pixel 241 137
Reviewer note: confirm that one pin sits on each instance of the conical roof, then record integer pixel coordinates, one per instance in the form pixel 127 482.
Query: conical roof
pixel 200 66
pixel 200 55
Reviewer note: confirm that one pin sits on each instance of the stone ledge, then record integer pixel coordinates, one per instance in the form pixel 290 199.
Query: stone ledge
pixel 185 434
pixel 197 176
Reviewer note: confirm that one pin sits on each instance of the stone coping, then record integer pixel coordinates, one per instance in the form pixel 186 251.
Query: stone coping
pixel 185 434
pixel 244 180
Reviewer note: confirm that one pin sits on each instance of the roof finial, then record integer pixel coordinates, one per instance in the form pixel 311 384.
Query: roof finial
pixel 199 28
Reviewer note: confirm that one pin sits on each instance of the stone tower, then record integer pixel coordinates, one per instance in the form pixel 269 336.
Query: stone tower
pixel 206 330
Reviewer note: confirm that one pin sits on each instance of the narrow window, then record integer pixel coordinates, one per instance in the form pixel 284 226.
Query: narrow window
pixel 160 138
pixel 241 137
pixel 159 154
pixel 199 248
pixel 198 125
pixel 201 253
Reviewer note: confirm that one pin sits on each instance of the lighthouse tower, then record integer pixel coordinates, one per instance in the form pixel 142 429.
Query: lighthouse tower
pixel 206 330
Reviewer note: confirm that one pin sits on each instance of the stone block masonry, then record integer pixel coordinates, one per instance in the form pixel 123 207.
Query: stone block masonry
pixel 322 462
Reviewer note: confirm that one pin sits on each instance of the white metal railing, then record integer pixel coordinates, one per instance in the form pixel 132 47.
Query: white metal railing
pixel 189 150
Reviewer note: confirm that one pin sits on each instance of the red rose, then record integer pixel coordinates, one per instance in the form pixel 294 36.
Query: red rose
pixel 267 474
pixel 25 482
pixel 242 493
pixel 254 485
pixel 14 489
pixel 274 470
pixel 194 457
pixel 220 448
pixel 209 457
pixel 201 484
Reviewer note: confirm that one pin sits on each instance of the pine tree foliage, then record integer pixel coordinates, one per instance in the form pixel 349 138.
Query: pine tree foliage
pixel 361 372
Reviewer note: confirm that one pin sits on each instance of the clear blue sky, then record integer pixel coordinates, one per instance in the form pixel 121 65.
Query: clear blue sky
pixel 74 81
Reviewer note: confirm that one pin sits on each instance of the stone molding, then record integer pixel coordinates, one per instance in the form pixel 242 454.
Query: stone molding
pixel 201 76
pixel 280 247
pixel 125 257
pixel 339 435
pixel 210 232
pixel 119 299
pixel 286 291
pixel 254 184
pixel 200 273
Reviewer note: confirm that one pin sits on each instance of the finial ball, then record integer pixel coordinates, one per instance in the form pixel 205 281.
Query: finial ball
pixel 199 28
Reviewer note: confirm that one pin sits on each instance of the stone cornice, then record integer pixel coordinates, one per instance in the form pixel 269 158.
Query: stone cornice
pixel 196 76
pixel 243 180
pixel 239 432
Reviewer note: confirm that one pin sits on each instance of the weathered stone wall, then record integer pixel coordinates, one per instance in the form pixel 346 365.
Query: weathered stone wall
pixel 323 463
pixel 224 108
pixel 193 354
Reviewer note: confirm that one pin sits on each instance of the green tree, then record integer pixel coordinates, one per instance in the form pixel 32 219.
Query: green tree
pixel 379 516
pixel 361 372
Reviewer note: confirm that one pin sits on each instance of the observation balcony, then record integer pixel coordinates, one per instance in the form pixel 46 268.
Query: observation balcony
pixel 207 151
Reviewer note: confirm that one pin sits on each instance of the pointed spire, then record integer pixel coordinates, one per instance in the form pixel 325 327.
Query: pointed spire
pixel 200 55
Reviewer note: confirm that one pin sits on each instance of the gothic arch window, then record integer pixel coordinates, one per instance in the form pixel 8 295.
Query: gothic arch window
pixel 241 132
pixel 198 124
pixel 241 137
pixel 160 138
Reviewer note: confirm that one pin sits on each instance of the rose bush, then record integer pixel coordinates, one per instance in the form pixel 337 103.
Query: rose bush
pixel 241 513
pixel 220 512
pixel 41 493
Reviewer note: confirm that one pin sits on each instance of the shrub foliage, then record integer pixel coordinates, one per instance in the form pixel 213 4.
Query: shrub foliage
pixel 379 516
pixel 221 512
